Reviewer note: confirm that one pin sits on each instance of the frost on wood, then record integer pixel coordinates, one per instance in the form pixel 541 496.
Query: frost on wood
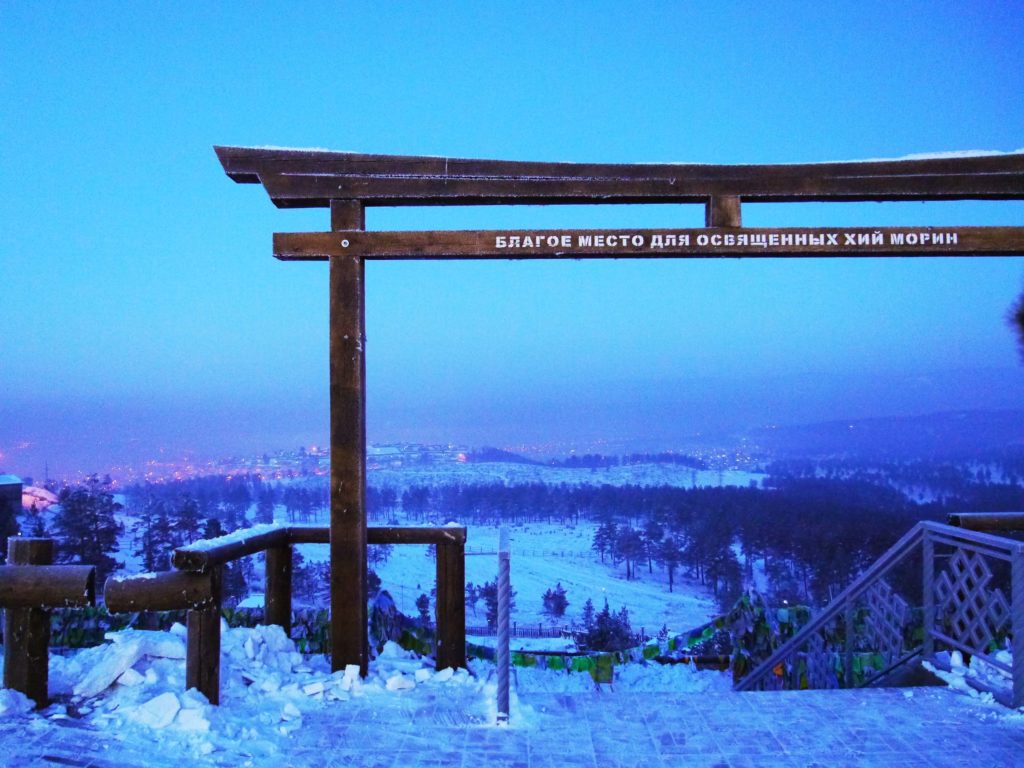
pixel 237 537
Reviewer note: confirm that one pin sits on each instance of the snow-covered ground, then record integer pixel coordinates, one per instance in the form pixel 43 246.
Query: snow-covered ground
pixel 543 555
pixel 279 708
pixel 134 685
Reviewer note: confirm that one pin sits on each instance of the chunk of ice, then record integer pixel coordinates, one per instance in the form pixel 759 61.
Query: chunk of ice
pixel 158 712
pixel 115 660
pixel 130 678
pixel 192 720
pixel 399 682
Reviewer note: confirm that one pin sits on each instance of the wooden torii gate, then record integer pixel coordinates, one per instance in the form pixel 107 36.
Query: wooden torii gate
pixel 347 183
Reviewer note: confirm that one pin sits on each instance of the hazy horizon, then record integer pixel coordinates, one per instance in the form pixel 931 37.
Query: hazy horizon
pixel 547 422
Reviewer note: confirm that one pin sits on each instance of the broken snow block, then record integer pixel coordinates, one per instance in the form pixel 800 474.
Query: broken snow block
pixel 399 682
pixel 130 678
pixel 114 662
pixel 15 702
pixel 351 672
pixel 192 720
pixel 158 712
pixel 312 689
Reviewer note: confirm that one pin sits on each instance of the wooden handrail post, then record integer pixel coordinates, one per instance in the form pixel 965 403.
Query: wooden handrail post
pixel 451 604
pixel 202 663
pixel 27 630
pixel 278 598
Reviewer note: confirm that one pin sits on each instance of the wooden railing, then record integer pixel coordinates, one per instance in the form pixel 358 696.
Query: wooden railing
pixel 29 587
pixel 196 586
pixel 972 590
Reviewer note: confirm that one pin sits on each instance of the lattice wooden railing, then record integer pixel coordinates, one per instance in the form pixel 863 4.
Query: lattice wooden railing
pixel 971 600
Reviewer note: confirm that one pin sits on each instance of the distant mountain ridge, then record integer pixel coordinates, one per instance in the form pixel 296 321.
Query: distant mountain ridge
pixel 946 434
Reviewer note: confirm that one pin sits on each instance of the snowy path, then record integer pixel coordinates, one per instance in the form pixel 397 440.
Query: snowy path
pixel 922 728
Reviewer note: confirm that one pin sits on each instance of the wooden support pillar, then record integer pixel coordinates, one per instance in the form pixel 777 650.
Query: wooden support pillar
pixel 278 606
pixel 451 605
pixel 349 642
pixel 202 652
pixel 722 211
pixel 27 630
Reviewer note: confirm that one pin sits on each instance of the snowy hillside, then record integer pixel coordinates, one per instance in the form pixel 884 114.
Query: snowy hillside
pixel 543 555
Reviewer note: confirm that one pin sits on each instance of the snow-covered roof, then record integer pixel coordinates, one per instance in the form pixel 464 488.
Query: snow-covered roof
pixel 10 480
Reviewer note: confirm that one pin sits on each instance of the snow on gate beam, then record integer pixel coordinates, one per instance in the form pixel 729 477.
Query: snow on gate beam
pixel 312 178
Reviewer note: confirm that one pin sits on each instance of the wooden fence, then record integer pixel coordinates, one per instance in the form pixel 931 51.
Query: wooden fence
pixel 196 586
pixel 29 587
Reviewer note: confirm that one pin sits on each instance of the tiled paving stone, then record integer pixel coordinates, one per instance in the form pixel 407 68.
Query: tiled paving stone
pixel 931 728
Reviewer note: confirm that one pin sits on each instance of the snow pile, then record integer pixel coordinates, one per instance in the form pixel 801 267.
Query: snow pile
pixel 137 681
pixel 14 703
pixel 961 676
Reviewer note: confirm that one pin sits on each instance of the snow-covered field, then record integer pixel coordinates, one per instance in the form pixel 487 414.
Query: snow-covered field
pixel 546 554
pixel 543 555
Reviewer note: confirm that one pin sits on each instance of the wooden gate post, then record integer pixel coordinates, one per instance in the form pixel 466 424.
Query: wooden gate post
pixel 202 653
pixel 349 640
pixel 451 604
pixel 27 630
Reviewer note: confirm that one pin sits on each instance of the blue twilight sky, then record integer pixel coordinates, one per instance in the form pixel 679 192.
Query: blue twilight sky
pixel 141 309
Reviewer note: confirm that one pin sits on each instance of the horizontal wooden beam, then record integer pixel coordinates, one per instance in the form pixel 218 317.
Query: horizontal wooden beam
pixel 649 243
pixel 312 178
pixel 168 591
pixel 399 535
pixel 204 555
pixel 987 521
pixel 308 534
pixel 47 586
